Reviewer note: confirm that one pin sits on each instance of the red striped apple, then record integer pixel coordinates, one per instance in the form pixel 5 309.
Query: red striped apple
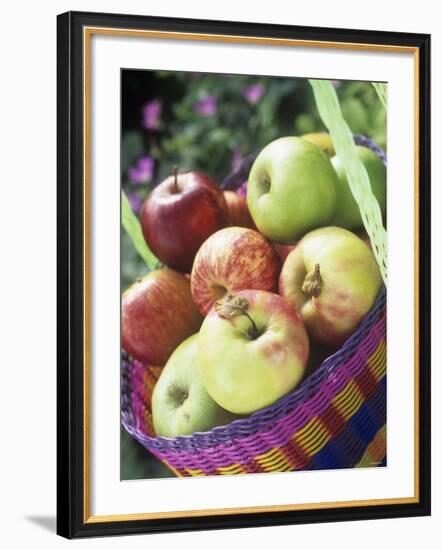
pixel 252 349
pixel 232 259
pixel 238 210
pixel 158 313
pixel 283 250
pixel 179 215
pixel 332 279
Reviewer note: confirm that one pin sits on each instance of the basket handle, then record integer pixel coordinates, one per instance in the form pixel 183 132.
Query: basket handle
pixel 330 112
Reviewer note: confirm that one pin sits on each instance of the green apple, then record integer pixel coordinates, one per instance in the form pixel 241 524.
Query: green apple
pixel 252 349
pixel 180 402
pixel 291 189
pixel 347 211
pixel 331 277
pixel 321 140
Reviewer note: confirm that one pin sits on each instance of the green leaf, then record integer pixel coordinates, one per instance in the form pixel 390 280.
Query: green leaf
pixel 131 149
pixel 133 229
pixel 342 137
pixel 381 89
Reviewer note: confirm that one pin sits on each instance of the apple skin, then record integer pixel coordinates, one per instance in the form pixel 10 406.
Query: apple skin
pixel 283 250
pixel 321 140
pixel 176 221
pixel 158 313
pixel 238 210
pixel 291 189
pixel 180 402
pixel 363 235
pixel 347 212
pixel 232 259
pixel 243 374
pixel 351 281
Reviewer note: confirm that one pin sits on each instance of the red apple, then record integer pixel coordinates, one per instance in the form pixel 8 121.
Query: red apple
pixel 332 279
pixel 179 215
pixel 157 314
pixel 238 210
pixel 232 259
pixel 283 250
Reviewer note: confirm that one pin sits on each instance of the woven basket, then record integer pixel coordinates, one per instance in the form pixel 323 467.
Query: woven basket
pixel 336 418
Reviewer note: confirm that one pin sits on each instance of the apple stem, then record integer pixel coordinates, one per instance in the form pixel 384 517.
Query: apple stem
pixel 313 282
pixel 255 331
pixel 175 173
pixel 231 306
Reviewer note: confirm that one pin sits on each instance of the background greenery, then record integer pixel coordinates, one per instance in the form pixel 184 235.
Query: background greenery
pixel 208 122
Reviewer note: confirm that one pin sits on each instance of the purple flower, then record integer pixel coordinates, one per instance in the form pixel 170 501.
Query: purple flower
pixel 253 93
pixel 135 201
pixel 237 158
pixel 336 83
pixel 206 106
pixel 151 114
pixel 142 171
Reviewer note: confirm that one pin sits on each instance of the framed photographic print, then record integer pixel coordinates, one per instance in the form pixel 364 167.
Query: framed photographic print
pixel 243 263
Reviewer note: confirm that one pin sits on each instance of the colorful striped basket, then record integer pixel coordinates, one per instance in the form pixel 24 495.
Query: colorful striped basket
pixel 335 419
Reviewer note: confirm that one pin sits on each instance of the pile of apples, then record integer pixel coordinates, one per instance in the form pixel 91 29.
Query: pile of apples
pixel 251 282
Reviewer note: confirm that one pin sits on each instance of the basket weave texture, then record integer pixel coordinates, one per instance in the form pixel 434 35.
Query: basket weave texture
pixel 336 418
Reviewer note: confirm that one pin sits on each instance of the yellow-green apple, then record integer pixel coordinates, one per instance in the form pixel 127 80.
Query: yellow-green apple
pixel 252 349
pixel 364 236
pixel 180 402
pixel 238 210
pixel 291 189
pixel 232 259
pixel 321 140
pixel 179 215
pixel 347 212
pixel 158 313
pixel 332 278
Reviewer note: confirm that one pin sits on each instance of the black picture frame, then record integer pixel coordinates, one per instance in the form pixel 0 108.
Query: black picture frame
pixel 71 520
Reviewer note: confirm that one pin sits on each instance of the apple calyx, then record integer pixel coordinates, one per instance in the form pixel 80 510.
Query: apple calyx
pixel 178 394
pixel 313 282
pixel 230 306
pixel 266 183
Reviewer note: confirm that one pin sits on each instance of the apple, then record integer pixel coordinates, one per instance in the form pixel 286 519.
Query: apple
pixel 232 259
pixel 179 215
pixel 332 279
pixel 238 210
pixel 158 313
pixel 364 236
pixel 180 402
pixel 283 250
pixel 252 349
pixel 291 189
pixel 347 212
pixel 321 140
